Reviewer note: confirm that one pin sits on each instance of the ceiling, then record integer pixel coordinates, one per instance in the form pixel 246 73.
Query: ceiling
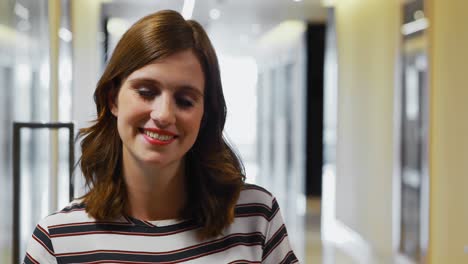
pixel 240 23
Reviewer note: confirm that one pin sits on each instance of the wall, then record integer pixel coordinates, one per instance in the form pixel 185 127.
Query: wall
pixel 367 42
pixel 449 131
pixel 87 60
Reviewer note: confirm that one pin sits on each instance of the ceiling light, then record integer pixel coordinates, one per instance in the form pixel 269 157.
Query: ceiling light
pixel 117 26
pixel 21 11
pixel 215 13
pixel 187 9
pixel 65 34
pixel 414 26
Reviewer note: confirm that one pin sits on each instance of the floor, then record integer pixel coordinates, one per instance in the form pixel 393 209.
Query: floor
pixel 318 252
pixel 313 240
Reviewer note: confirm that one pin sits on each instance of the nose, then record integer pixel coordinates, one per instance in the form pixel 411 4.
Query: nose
pixel 163 111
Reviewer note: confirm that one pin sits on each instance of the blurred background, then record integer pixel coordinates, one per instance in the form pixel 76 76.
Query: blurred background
pixel 352 113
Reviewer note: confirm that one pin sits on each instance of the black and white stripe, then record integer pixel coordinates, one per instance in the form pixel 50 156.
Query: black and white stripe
pixel 174 256
pixel 257 235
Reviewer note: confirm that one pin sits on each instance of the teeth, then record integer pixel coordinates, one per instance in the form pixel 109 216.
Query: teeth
pixel 158 136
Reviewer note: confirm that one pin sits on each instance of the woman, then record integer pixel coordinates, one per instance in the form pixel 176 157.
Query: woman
pixel 164 186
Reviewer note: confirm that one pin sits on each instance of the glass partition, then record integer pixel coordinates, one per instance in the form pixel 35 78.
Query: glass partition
pixel 34 160
pixel 26 96
pixel 35 189
pixel 281 126
pixel 23 93
pixel 414 211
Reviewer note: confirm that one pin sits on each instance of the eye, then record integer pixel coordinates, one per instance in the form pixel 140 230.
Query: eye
pixel 184 102
pixel 146 93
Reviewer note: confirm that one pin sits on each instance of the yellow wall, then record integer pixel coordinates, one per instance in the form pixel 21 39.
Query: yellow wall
pixel 87 61
pixel 448 35
pixel 87 58
pixel 367 41
pixel 367 35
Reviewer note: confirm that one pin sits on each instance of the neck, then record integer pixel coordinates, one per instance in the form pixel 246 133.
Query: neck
pixel 154 193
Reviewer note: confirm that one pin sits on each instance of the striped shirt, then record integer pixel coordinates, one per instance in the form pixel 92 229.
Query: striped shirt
pixel 257 235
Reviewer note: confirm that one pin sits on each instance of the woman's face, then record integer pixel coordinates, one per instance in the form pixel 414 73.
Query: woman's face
pixel 159 109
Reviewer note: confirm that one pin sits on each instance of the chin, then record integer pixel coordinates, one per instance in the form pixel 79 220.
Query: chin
pixel 156 161
pixel 159 161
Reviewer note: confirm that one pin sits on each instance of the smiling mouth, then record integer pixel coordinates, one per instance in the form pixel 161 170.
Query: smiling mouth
pixel 157 136
pixel 163 136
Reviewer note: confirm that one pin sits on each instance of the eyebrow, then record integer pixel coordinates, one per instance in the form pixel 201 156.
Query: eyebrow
pixel 154 82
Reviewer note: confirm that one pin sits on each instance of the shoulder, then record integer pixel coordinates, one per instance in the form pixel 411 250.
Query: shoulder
pixel 254 211
pixel 74 212
pixel 258 189
pixel 254 194
pixel 41 248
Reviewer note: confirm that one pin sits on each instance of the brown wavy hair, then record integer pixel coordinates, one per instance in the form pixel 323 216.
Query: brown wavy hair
pixel 214 173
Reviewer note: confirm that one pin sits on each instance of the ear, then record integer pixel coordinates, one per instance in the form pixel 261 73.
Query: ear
pixel 112 102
